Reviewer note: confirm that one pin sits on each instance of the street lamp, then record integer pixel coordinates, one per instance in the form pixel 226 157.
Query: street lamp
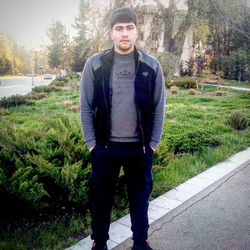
pixel 32 69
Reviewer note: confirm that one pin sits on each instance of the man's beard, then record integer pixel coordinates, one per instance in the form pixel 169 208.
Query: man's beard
pixel 125 48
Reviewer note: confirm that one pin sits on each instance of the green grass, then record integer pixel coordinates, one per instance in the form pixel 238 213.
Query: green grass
pixel 237 83
pixel 58 233
pixel 191 113
pixel 185 115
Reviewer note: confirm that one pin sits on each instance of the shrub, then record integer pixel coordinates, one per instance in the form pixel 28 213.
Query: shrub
pixel 75 76
pixel 220 93
pixel 192 92
pixel 47 89
pixel 45 167
pixel 4 111
pixel 67 103
pixel 14 101
pixel 225 89
pixel 58 83
pixel 75 108
pixel 238 121
pixel 168 82
pixel 174 90
pixel 73 86
pixel 183 82
pixel 168 62
pixel 191 142
pixel 36 96
pixel 62 79
pixel 234 66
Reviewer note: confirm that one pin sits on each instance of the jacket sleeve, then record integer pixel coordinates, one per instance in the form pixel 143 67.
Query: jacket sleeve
pixel 86 104
pixel 159 102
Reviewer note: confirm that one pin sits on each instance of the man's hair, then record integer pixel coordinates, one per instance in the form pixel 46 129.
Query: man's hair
pixel 122 15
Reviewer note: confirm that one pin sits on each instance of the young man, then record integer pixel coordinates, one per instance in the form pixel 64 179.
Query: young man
pixel 122 100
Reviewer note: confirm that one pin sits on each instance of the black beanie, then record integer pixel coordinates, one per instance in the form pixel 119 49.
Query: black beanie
pixel 122 15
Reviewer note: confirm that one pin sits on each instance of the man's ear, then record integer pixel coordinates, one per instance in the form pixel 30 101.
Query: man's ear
pixel 111 34
pixel 137 32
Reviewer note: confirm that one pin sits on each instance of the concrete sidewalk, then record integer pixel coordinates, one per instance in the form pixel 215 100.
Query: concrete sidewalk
pixel 209 211
pixel 216 218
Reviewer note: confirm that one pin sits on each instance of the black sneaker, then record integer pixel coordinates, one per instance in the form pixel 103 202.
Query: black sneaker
pixel 97 246
pixel 145 246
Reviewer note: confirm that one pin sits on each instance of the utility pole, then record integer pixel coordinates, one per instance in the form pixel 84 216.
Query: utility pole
pixel 32 69
pixel 12 65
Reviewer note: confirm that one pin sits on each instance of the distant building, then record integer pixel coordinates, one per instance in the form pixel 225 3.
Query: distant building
pixel 151 28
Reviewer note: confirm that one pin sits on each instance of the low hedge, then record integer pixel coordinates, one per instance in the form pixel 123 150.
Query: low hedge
pixel 14 101
pixel 183 82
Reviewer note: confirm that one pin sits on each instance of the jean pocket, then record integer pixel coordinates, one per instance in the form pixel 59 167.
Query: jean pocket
pixel 93 150
pixel 151 151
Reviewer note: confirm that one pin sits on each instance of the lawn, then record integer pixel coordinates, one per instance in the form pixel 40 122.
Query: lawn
pixel 235 83
pixel 196 136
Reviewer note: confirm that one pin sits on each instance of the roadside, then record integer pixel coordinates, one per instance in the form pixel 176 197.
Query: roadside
pixel 227 86
pixel 216 218
pixel 201 224
pixel 20 85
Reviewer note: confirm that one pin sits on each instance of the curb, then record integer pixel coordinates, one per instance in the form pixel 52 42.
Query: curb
pixel 120 229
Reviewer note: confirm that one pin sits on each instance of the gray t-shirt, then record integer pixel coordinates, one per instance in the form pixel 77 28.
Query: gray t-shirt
pixel 123 109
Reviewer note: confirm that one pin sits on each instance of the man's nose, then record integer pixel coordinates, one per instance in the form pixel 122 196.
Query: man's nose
pixel 124 32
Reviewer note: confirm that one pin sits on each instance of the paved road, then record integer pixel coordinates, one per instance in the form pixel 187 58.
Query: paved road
pixel 218 218
pixel 19 85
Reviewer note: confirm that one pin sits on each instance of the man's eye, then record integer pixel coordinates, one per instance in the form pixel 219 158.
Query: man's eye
pixel 118 28
pixel 130 27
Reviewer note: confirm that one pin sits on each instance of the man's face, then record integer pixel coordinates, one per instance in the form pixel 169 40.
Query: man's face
pixel 124 36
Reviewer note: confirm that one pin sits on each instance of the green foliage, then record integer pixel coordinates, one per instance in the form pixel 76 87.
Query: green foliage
pixel 238 121
pixel 168 62
pixel 174 90
pixel 234 66
pixel 4 111
pixel 46 150
pixel 59 39
pixel 192 142
pixel 46 167
pixel 58 83
pixel 5 65
pixel 44 88
pixel 192 92
pixel 36 95
pixel 62 79
pixel 74 76
pixel 183 82
pixel 14 58
pixel 14 101
pixel 25 183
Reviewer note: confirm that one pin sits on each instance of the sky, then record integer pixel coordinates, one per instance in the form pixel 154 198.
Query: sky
pixel 28 20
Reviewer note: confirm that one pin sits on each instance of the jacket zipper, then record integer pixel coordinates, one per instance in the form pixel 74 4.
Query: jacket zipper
pixel 142 132
pixel 106 105
pixel 139 116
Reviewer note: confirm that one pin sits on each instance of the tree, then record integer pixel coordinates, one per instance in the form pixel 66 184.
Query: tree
pixel 230 38
pixel 14 59
pixel 80 45
pixel 5 66
pixel 59 41
pixel 91 33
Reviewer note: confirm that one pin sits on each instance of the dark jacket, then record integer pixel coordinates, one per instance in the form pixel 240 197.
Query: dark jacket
pixel 147 72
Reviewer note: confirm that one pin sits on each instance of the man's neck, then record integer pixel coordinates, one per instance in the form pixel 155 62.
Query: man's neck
pixel 121 52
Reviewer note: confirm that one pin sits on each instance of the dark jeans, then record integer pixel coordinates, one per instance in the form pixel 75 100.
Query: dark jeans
pixel 106 164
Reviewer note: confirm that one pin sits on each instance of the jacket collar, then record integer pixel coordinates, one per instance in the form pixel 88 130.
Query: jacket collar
pixel 108 55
